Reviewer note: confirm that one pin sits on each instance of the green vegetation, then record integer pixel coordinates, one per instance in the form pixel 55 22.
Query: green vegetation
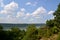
pixel 31 33
pixel 47 32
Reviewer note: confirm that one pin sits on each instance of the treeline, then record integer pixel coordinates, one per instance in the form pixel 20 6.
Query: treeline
pixel 12 34
pixel 32 33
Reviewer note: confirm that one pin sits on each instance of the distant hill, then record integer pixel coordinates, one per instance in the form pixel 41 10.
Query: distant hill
pixel 21 26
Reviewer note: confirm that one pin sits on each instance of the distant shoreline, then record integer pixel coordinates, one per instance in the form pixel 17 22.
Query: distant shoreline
pixel 20 26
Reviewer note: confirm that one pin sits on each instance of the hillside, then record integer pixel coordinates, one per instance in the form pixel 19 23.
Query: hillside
pixel 54 37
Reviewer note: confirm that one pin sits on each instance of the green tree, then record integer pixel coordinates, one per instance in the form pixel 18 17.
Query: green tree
pixel 57 16
pixel 50 23
pixel 55 23
pixel 44 32
pixel 3 33
pixel 54 30
pixel 31 33
pixel 56 20
pixel 1 27
pixel 16 34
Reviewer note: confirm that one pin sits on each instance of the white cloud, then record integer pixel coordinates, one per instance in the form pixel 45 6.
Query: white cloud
pixel 32 17
pixel 39 11
pixel 28 14
pixel 37 17
pixel 32 4
pixel 28 3
pixel 50 12
pixel 9 8
pixel 9 16
pixel 20 14
pixel 3 12
pixel 22 9
pixel 8 19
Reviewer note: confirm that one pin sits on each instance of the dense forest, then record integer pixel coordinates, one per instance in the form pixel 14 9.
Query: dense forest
pixel 51 31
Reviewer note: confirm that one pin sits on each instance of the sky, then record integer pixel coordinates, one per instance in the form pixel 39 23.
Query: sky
pixel 27 11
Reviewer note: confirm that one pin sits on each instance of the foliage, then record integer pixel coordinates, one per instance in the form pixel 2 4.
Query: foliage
pixel 13 34
pixel 54 30
pixel 1 27
pixel 31 33
pixel 58 38
pixel 56 20
pixel 57 16
pixel 50 23
pixel 44 32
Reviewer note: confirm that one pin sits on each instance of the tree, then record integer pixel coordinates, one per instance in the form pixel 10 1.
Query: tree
pixel 54 30
pixel 31 33
pixel 44 32
pixel 56 20
pixel 50 23
pixel 3 33
pixel 1 27
pixel 15 34
pixel 57 16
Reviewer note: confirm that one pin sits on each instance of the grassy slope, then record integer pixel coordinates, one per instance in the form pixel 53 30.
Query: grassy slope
pixel 54 37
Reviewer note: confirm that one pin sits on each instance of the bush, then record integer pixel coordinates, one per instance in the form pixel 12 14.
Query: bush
pixel 31 33
pixel 55 30
pixel 44 32
pixel 58 38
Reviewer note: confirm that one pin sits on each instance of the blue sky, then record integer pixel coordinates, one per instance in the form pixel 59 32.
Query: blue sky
pixel 27 11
